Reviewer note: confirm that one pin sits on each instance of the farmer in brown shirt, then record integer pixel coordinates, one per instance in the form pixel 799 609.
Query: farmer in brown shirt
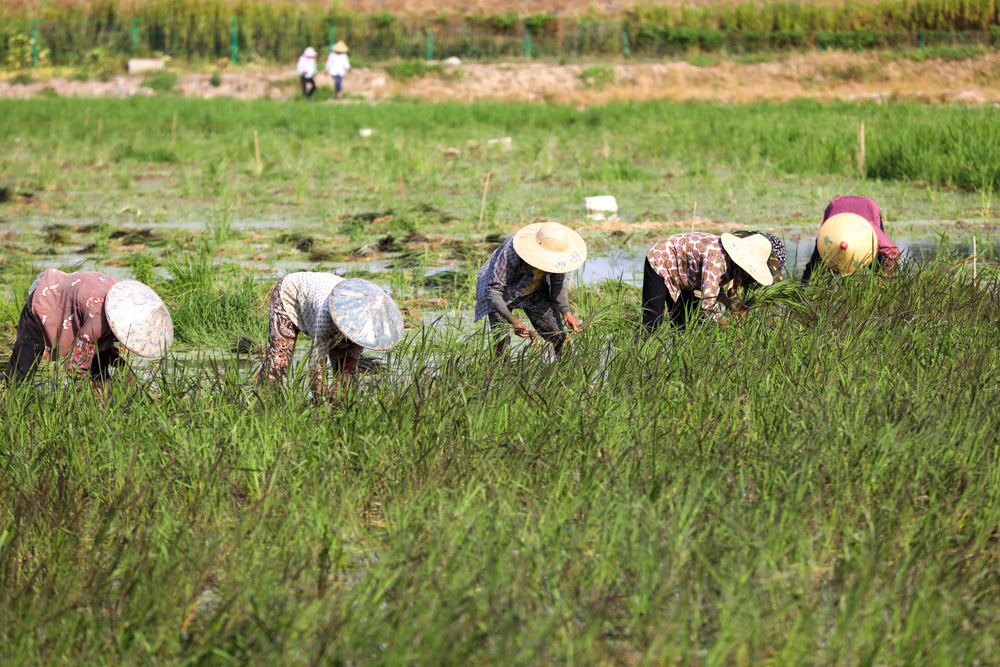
pixel 67 318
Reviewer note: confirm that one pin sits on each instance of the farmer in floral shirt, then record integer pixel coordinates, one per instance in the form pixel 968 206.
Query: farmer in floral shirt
pixel 679 265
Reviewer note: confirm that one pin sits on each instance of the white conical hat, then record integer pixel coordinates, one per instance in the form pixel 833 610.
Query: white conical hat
pixel 751 254
pixel 847 242
pixel 139 318
pixel 365 314
pixel 550 247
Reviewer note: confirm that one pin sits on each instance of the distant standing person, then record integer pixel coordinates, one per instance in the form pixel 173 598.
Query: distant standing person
pixel 337 64
pixel 341 316
pixel 306 68
pixel 854 245
pixel 76 319
pixel 679 265
pixel 527 272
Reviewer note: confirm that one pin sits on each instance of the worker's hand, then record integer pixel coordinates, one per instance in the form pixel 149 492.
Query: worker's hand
pixel 571 321
pixel 520 330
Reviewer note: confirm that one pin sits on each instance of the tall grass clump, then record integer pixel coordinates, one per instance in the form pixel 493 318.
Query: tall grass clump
pixel 963 153
pixel 212 304
pixel 816 482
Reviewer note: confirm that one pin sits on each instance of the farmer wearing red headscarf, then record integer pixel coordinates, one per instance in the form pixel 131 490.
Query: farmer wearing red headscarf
pixel 887 255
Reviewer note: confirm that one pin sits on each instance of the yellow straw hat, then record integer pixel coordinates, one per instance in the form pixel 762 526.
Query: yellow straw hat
pixel 139 318
pixel 340 47
pixel 550 247
pixel 751 254
pixel 847 242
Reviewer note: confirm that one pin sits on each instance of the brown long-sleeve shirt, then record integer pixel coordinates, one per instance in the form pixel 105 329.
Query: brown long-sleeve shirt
pixel 70 309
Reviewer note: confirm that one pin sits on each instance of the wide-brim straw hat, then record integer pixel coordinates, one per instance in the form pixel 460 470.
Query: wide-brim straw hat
pixel 550 247
pixel 309 52
pixel 751 255
pixel 139 318
pixel 340 47
pixel 365 314
pixel 847 242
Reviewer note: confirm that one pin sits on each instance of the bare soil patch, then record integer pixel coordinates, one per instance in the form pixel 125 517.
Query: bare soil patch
pixel 814 76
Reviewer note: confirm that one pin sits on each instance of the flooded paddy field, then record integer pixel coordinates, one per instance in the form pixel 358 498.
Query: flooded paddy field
pixel 816 481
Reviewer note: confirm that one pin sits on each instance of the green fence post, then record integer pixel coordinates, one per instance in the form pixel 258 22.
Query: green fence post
pixel 34 42
pixel 430 44
pixel 626 50
pixel 135 35
pixel 235 47
pixel 331 37
pixel 920 38
pixel 527 42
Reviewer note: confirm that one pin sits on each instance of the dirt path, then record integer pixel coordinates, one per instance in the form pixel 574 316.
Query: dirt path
pixel 817 76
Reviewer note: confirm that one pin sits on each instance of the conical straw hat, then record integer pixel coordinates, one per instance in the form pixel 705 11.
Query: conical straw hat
pixel 847 242
pixel 139 318
pixel 751 254
pixel 340 47
pixel 366 314
pixel 550 247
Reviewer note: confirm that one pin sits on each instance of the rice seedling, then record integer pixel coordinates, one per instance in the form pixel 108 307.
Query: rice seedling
pixel 816 481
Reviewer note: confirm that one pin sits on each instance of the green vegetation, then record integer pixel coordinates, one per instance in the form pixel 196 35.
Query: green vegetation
pixel 597 76
pixel 110 185
pixel 162 83
pixel 276 31
pixel 815 482
pixel 412 69
pixel 552 149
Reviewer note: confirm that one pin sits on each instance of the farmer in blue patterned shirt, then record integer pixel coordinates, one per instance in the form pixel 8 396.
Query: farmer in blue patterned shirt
pixel 527 272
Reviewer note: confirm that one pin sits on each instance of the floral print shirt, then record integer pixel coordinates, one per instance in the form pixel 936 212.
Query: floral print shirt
pixel 692 261
pixel 69 307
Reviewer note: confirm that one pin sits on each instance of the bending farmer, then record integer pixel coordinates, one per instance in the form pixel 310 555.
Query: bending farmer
pixel 78 317
pixel 680 264
pixel 341 316
pixel 851 237
pixel 527 272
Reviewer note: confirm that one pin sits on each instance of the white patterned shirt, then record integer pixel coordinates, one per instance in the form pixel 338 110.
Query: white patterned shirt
pixel 337 64
pixel 306 298
pixel 306 67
